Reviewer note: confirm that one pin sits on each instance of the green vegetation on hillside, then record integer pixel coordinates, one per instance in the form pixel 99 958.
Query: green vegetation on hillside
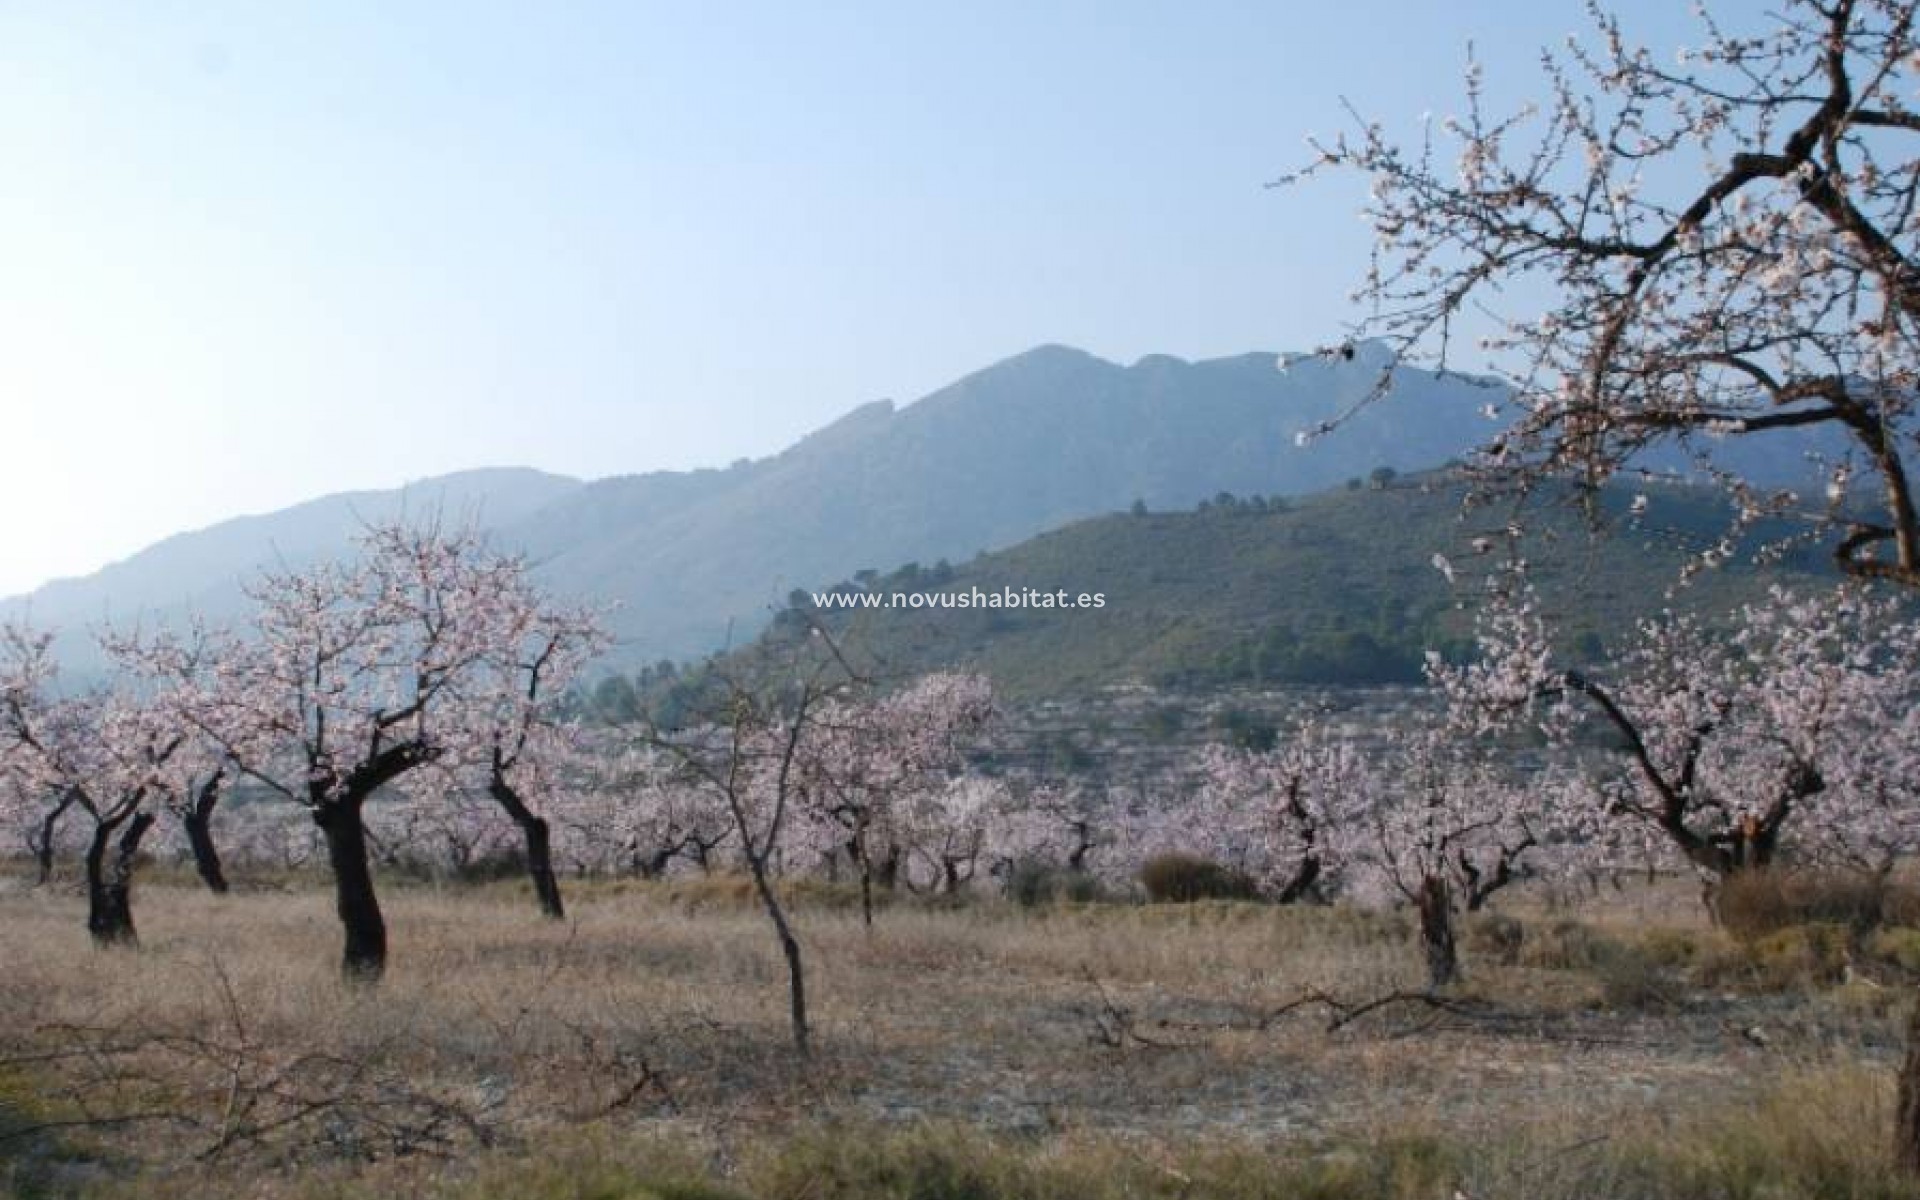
pixel 1336 589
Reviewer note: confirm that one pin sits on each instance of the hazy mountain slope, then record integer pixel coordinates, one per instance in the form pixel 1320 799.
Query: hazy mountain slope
pixel 202 571
pixel 693 559
pixel 1339 588
pixel 1023 446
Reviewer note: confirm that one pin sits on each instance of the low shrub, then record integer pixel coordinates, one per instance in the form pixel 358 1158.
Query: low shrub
pixel 1899 946
pixel 1184 878
pixel 1031 884
pixel 1752 904
pixel 732 890
pixel 1678 947
pixel 1565 945
pixel 1804 956
pixel 1634 978
pixel 1794 959
pixel 1496 937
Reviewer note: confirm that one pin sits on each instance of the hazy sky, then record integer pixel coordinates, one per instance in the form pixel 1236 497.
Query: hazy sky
pixel 254 253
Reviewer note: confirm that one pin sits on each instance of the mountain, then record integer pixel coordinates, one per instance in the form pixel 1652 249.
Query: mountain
pixel 1023 446
pixel 1339 588
pixel 203 572
pixel 697 559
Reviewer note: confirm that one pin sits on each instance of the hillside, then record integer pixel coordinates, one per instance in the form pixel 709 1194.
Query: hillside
pixel 1339 588
pixel 203 572
pixel 692 557
pixel 689 561
pixel 1024 446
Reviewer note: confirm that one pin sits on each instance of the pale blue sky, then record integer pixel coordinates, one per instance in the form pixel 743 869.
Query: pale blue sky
pixel 252 253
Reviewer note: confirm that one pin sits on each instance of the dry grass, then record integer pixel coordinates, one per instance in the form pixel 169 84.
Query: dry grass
pixel 645 1040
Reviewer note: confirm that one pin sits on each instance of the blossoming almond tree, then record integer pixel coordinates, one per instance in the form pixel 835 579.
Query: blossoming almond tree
pixel 954 829
pixel 509 709
pixel 342 686
pixel 1719 242
pixel 870 759
pixel 1440 827
pixel 198 775
pixel 1425 818
pixel 1787 724
pixel 40 820
pixel 1795 729
pixel 100 752
pixel 639 812
pixel 1072 825
pixel 1267 812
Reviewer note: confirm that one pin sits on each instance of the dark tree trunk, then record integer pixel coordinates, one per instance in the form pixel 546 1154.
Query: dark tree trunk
pixel 110 879
pixel 1082 844
pixel 1436 932
pixel 796 988
pixel 790 948
pixel 546 885
pixel 887 870
pixel 1906 1144
pixel 1304 884
pixel 49 829
pixel 206 856
pixel 857 852
pixel 538 836
pixel 198 820
pixel 364 957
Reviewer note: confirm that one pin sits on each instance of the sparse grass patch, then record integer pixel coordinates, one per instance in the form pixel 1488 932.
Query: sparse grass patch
pixel 1563 945
pixel 1633 977
pixel 1810 1137
pixel 639 1049
pixel 1495 937
pixel 1899 946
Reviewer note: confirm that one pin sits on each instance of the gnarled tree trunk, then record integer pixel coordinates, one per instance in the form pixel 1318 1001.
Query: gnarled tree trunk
pixel 110 878
pixel 198 822
pixel 1305 884
pixel 364 956
pixel 206 856
pixel 49 829
pixel 538 837
pixel 1435 903
pixel 790 950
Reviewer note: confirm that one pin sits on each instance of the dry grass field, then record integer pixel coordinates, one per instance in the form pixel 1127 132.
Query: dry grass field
pixel 640 1049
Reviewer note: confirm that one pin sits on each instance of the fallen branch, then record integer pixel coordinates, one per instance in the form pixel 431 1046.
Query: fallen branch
pixel 1114 1024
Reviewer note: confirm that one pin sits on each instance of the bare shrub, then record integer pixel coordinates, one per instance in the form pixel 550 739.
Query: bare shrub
pixel 1496 937
pixel 1752 904
pixel 1183 878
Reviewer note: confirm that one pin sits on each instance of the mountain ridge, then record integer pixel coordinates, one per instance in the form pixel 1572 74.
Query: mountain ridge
pixel 694 559
pixel 1339 588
